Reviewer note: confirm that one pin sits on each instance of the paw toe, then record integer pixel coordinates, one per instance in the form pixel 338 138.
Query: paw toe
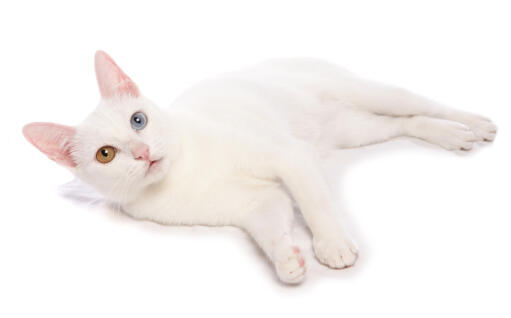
pixel 290 266
pixel 483 128
pixel 336 253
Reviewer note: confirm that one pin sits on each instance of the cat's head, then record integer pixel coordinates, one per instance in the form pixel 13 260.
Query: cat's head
pixel 121 148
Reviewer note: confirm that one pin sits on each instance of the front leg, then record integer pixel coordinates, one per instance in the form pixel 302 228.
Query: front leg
pixel 269 224
pixel 301 172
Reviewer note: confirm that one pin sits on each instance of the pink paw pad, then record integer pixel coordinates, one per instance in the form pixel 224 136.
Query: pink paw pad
pixel 301 261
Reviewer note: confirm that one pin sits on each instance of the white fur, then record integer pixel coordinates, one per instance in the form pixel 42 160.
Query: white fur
pixel 237 148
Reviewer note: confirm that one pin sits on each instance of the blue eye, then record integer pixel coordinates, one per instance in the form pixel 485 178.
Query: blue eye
pixel 138 121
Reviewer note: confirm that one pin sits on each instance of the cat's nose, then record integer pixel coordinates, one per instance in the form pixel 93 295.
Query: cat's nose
pixel 141 152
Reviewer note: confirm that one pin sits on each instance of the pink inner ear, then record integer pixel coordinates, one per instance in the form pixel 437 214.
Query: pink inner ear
pixel 53 140
pixel 111 79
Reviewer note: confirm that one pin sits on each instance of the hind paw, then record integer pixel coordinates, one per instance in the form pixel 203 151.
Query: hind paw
pixel 447 134
pixel 483 128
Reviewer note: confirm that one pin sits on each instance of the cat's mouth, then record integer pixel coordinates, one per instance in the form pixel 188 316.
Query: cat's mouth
pixel 153 165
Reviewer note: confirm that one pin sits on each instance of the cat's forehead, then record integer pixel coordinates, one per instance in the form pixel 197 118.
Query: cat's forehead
pixel 119 106
pixel 112 111
pixel 110 120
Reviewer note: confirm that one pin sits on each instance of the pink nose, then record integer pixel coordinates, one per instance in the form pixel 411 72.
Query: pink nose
pixel 141 152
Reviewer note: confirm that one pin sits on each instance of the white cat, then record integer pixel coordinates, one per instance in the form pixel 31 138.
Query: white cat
pixel 236 150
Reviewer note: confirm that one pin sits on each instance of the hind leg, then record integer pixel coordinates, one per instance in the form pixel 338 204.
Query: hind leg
pixel 355 128
pixel 392 101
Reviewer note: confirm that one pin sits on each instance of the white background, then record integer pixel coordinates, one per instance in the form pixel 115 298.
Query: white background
pixel 433 227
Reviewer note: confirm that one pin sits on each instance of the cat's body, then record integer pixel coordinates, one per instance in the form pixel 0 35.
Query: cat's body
pixel 236 127
pixel 237 149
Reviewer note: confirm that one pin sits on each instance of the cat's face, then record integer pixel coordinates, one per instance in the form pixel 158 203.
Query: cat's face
pixel 121 148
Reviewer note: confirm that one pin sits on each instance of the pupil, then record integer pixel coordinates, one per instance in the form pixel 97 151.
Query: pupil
pixel 104 152
pixel 137 120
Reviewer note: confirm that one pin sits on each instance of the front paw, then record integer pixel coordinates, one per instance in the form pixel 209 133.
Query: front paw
pixel 335 252
pixel 290 265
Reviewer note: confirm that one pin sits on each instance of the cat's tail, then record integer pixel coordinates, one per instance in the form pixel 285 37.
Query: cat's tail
pixel 81 192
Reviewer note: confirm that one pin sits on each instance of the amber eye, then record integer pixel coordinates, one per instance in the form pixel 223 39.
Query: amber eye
pixel 105 154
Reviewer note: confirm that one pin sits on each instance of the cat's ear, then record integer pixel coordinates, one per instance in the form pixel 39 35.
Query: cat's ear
pixel 111 79
pixel 53 140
